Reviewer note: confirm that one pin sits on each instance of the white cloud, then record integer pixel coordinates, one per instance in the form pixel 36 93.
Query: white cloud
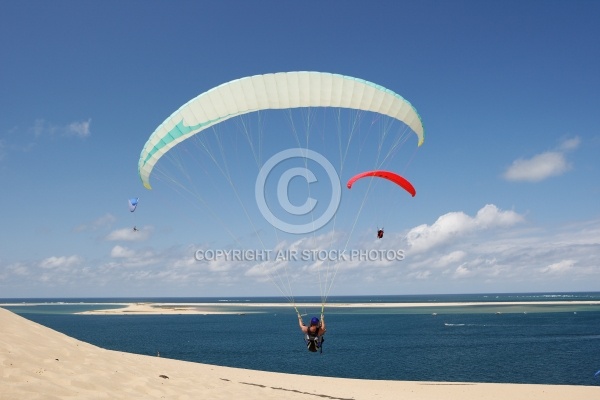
pixel 59 262
pixel 41 128
pixel 144 260
pixel 454 225
pixel 121 252
pixel 560 267
pixel 544 165
pixel 129 235
pixel 489 216
pixel 513 259
pixel 570 144
pixel 462 271
pixel 488 252
pixel 79 129
pixel 452 258
pixel 420 275
pixel 219 265
pixel 16 270
pixel 537 168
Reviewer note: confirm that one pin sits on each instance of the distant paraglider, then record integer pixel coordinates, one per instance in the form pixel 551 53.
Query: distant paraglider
pixel 133 203
pixel 390 176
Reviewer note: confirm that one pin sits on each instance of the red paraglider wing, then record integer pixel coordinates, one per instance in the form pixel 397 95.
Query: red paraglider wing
pixel 397 179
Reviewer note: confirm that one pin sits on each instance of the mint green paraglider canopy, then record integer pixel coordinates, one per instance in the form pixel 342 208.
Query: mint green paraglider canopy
pixel 273 91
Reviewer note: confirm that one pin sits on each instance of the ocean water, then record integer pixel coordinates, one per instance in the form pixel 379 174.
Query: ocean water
pixel 549 344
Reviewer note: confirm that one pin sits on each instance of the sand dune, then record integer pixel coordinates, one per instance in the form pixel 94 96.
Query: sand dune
pixel 39 363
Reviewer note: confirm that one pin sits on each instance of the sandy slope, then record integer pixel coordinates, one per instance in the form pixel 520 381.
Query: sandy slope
pixel 39 363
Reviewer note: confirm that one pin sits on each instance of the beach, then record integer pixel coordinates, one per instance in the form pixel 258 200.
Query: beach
pixel 39 363
pixel 223 308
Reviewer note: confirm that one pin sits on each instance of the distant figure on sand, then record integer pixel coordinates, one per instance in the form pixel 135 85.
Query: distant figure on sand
pixel 313 333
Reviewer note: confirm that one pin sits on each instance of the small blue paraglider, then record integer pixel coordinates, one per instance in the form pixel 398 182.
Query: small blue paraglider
pixel 133 202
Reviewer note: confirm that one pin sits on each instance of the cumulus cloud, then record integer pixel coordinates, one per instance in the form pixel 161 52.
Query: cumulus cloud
pixel 59 262
pixel 560 267
pixel 129 235
pixel 462 271
pixel 126 257
pixel 490 251
pixel 538 167
pixel 121 252
pixel 518 258
pixel 544 165
pixel 454 225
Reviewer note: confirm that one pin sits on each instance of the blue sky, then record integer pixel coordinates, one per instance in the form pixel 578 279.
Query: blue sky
pixel 507 179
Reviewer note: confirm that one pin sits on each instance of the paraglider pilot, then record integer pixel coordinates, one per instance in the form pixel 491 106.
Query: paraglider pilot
pixel 313 333
pixel 379 233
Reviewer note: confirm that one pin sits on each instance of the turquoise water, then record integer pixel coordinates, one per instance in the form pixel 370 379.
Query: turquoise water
pixel 550 344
